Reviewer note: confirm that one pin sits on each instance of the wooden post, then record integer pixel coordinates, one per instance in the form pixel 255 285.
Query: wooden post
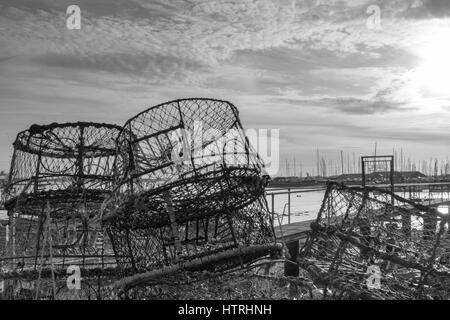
pixel 429 227
pixel 273 207
pixel 291 268
pixel 363 173
pixel 289 205
pixel 391 174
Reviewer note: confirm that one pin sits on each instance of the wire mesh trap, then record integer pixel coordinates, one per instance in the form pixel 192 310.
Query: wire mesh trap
pixel 189 187
pixel 369 243
pixel 60 175
pixel 177 189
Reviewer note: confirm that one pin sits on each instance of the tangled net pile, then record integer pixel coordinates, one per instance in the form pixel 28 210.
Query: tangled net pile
pixel 189 192
pixel 362 231
pixel 60 175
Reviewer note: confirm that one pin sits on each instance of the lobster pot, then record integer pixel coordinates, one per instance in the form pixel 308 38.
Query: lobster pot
pixel 362 247
pixel 189 185
pixel 181 140
pixel 191 237
pixel 60 175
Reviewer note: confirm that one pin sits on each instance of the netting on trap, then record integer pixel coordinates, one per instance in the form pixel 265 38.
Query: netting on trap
pixel 181 139
pixel 60 175
pixel 189 186
pixel 369 243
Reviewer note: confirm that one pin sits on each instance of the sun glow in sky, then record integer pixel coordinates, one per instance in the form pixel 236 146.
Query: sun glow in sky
pixel 433 73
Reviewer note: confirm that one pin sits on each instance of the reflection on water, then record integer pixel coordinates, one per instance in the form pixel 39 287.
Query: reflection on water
pixel 443 209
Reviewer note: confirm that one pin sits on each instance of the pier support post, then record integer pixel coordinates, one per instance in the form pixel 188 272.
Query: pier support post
pixel 406 225
pixel 429 227
pixel 291 268
pixel 273 208
pixel 289 205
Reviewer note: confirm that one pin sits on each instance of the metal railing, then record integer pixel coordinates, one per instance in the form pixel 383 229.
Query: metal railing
pixel 414 191
pixel 272 193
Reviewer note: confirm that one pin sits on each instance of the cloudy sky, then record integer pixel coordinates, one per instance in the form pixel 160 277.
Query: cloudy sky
pixel 324 72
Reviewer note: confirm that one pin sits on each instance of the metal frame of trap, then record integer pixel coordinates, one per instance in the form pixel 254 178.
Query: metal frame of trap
pixel 375 160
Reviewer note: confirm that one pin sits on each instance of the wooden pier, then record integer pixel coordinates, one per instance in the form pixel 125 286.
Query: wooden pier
pixel 292 235
pixel 294 231
pixel 299 230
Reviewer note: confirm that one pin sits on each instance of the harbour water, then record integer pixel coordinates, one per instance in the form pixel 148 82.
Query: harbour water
pixel 306 205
